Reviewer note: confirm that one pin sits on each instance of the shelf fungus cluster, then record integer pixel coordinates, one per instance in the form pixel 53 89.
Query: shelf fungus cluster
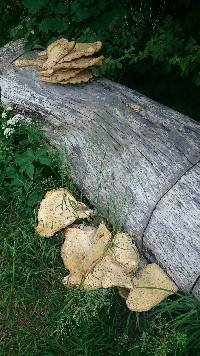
pixel 65 62
pixel 97 259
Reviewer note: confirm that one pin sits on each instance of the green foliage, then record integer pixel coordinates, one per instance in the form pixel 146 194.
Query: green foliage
pixel 24 159
pixel 173 329
pixel 150 46
pixel 39 316
pixel 130 33
pixel 160 340
pixel 11 13
pixel 183 316
pixel 28 166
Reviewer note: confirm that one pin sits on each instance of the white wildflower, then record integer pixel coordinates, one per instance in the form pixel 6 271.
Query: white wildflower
pixel 28 120
pixel 32 32
pixel 4 114
pixel 15 119
pixel 8 131
pixel 9 108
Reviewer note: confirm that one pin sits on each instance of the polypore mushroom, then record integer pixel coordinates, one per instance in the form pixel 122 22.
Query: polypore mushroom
pixel 115 269
pixel 58 210
pixel 95 260
pixel 42 54
pixel 124 252
pixel 106 274
pixel 82 50
pixel 56 51
pixel 80 63
pixel 60 76
pixel 64 62
pixel 150 288
pixel 73 252
pixel 82 77
pixel 38 62
pixel 81 250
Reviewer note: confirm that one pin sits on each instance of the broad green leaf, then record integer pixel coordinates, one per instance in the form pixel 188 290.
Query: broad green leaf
pixel 35 5
pixel 29 170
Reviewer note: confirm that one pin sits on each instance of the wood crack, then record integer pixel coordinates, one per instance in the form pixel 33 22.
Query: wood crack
pixel 167 191
pixel 195 283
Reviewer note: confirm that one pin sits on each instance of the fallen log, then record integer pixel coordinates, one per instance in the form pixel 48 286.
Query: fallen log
pixel 136 160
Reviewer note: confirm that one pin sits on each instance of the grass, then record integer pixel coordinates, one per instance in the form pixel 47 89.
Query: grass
pixel 39 316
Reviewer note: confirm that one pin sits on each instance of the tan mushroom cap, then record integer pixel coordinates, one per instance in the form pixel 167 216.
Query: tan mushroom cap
pixel 107 274
pixel 82 50
pixel 75 248
pixel 64 62
pixel 82 77
pixel 95 260
pixel 125 252
pixel 80 63
pixel 58 210
pixel 83 62
pixel 114 270
pixel 150 288
pixel 42 54
pixel 38 62
pixel 60 76
pixel 82 249
pixel 56 51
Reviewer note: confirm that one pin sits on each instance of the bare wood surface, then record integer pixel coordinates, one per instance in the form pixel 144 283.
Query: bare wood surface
pixel 131 156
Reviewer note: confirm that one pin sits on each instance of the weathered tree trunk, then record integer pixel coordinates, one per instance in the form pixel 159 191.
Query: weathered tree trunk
pixel 129 154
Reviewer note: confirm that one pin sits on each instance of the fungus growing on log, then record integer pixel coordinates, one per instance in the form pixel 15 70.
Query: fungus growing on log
pixel 107 274
pixel 64 60
pixel 95 259
pixel 100 124
pixel 60 76
pixel 58 210
pixel 81 250
pixel 124 252
pixel 150 288
pixel 82 49
pixel 81 77
pixel 115 269
pixel 56 51
pixel 80 63
pixel 42 54
pixel 38 62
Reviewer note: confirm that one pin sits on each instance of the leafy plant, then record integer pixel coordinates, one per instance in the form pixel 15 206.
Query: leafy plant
pixel 8 21
pixel 24 158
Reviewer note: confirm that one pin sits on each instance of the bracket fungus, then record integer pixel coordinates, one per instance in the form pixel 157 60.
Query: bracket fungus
pixel 82 50
pixel 96 259
pixel 58 210
pixel 37 62
pixel 102 261
pixel 43 54
pixel 65 62
pixel 56 51
pixel 60 76
pixel 150 288
pixel 81 250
